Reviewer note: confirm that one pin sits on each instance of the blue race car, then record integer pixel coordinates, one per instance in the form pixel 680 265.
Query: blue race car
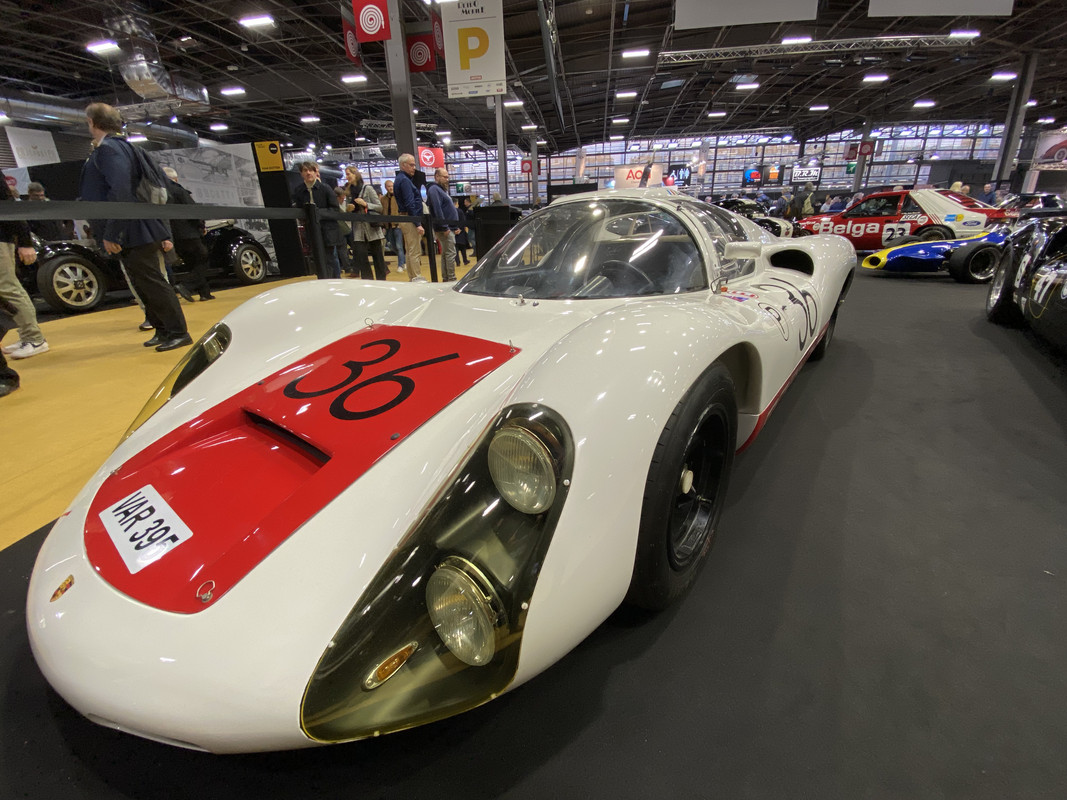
pixel 969 260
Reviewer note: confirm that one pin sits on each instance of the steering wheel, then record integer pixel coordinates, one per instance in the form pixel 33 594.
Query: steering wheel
pixel 614 269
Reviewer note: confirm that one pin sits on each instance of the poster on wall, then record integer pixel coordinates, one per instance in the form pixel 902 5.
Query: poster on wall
pixel 222 175
pixel 32 147
pixel 474 47
pixel 634 176
pixel 1050 151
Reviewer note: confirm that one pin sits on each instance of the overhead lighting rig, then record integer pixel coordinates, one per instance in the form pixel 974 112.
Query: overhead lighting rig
pixel 864 45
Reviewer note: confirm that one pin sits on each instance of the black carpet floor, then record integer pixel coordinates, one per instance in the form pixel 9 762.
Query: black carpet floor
pixel 883 616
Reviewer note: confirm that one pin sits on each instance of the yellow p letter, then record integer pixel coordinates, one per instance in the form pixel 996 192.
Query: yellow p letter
pixel 473 43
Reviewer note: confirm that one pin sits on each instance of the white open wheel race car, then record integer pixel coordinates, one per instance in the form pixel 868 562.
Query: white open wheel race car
pixel 356 507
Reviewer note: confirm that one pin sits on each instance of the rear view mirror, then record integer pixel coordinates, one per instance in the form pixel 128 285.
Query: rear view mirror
pixel 742 250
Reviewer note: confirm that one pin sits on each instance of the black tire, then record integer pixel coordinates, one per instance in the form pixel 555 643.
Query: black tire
pixel 71 284
pixel 935 233
pixel 909 239
pixel 824 343
pixel 974 263
pixel 999 304
pixel 685 491
pixel 250 264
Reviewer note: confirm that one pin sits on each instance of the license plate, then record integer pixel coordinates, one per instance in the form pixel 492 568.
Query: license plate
pixel 144 528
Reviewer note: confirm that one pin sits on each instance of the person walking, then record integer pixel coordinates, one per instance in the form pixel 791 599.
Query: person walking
pixel 409 202
pixel 15 242
pixel 110 174
pixel 393 235
pixel 188 237
pixel 313 192
pixel 445 221
pixel 367 237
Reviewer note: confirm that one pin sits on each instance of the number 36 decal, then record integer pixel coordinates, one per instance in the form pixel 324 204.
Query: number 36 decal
pixel 351 385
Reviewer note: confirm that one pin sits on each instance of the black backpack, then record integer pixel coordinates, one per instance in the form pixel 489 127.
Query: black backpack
pixel 150 185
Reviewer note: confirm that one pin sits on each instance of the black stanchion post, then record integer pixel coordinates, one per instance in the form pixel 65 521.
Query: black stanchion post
pixel 313 231
pixel 431 245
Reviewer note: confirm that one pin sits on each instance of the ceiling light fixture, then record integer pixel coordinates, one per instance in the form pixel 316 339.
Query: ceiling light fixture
pixel 964 34
pixel 818 108
pixel 1003 76
pixel 796 40
pixel 716 114
pixel 617 138
pixel 625 95
pixel 1046 121
pixel 219 126
pixel 232 91
pixel 746 87
pixel 529 127
pixel 443 133
pixel 924 104
pixel 513 104
pixel 102 48
pixel 353 78
pixel 542 141
pixel 309 119
pixel 620 120
pixel 259 21
pixel 875 77
pixel 637 53
pixel 1031 103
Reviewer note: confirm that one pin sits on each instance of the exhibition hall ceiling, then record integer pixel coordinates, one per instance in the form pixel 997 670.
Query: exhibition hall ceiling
pixel 293 70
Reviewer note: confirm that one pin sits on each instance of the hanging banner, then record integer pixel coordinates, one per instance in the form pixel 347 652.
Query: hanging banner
pixel 474 47
pixel 438 33
pixel 351 41
pixel 31 147
pixel 372 20
pixel 1050 152
pixel 942 8
pixel 431 157
pixel 689 14
pixel 421 55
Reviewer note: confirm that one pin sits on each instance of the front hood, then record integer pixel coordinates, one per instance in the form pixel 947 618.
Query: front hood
pixel 186 518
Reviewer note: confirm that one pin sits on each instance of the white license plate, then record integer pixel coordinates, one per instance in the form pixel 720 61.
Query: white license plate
pixel 144 528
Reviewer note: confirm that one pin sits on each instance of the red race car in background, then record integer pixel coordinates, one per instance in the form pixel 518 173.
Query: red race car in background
pixel 879 219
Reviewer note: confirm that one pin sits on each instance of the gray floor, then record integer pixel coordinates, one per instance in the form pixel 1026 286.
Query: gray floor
pixel 883 615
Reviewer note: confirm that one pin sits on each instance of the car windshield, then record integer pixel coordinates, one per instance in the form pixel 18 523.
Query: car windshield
pixel 602 248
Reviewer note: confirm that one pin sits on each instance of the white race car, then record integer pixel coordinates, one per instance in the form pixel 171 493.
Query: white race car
pixel 356 507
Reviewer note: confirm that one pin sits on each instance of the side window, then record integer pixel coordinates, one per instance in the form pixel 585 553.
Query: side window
pixel 732 268
pixel 910 206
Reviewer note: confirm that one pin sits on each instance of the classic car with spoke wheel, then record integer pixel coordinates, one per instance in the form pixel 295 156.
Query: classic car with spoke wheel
pixel 454 483
pixel 74 276
pixel 1029 286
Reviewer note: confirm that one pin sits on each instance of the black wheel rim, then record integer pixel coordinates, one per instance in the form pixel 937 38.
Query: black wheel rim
pixel 696 506
pixel 983 264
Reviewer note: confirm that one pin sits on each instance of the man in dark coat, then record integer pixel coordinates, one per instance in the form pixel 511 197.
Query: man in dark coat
pixel 312 191
pixel 110 174
pixel 409 201
pixel 188 236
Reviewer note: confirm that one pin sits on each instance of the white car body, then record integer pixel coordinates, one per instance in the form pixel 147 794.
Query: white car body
pixel 231 677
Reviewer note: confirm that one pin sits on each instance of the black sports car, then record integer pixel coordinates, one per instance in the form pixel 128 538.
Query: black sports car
pixel 1030 284
pixel 74 276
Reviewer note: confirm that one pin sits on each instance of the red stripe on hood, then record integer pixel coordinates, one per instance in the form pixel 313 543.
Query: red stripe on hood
pixel 246 474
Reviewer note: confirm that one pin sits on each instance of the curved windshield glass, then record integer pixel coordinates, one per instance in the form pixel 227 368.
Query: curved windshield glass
pixel 602 248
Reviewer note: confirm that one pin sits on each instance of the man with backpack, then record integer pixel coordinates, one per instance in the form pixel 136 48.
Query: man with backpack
pixel 802 205
pixel 113 173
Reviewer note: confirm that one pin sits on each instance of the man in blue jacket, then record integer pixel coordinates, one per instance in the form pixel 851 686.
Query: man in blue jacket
pixel 445 221
pixel 410 202
pixel 110 174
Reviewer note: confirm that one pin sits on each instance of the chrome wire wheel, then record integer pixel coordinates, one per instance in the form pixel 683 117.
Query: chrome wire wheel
pixel 76 285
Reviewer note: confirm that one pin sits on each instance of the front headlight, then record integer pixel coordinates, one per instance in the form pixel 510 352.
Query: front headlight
pixel 522 469
pixel 438 629
pixel 198 358
pixel 464 610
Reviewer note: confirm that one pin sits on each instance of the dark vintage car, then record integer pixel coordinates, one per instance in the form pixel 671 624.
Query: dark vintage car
pixel 74 276
pixel 1030 284
pixel 1031 205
